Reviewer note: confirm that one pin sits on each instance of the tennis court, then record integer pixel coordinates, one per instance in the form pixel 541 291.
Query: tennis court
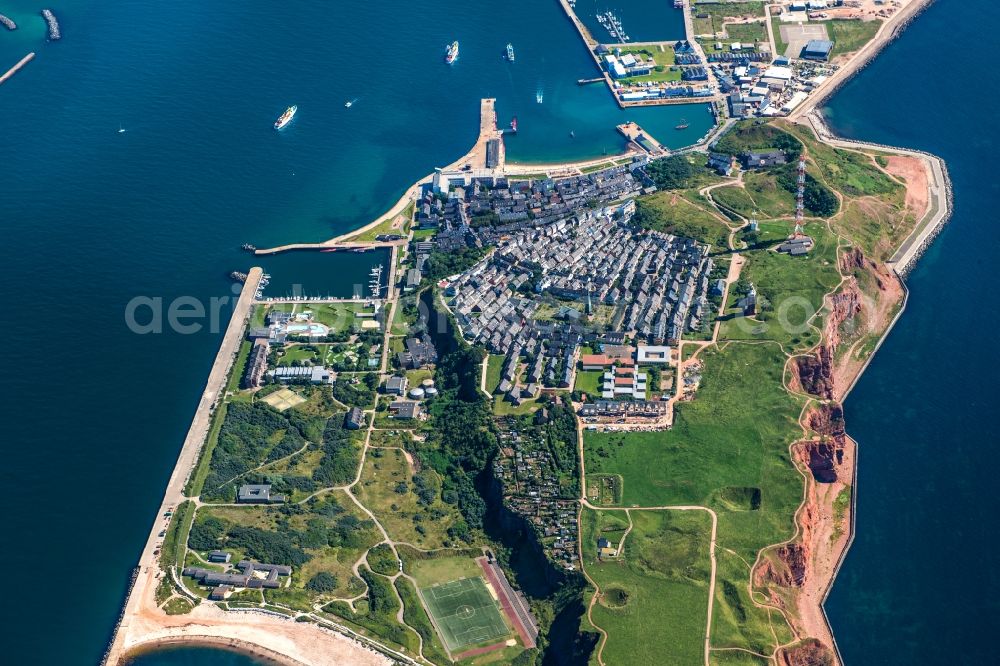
pixel 283 399
pixel 465 612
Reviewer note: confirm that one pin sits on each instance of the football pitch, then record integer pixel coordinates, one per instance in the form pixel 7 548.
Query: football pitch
pixel 464 612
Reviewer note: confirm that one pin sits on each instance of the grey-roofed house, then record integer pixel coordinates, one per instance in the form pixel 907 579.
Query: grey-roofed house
pixel 253 375
pixel 258 493
pixel 817 49
pixel 764 159
pixel 413 278
pixel 355 419
pixel 219 593
pixel 396 385
pixel 245 577
pixel 404 409
pixel 312 374
pixel 220 556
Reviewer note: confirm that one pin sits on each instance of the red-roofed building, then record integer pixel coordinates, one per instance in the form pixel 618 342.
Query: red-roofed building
pixel 595 361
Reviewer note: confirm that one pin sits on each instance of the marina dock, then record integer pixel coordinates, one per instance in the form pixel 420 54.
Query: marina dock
pixel 13 70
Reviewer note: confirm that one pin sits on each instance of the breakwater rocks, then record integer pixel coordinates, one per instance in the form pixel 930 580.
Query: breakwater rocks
pixel 53 24
pixel 7 22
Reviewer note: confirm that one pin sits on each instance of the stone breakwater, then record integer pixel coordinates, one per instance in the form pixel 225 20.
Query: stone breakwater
pixel 7 22
pixel 53 24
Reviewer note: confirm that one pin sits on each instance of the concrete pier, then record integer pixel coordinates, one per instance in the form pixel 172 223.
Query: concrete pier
pixel 13 70
pixel 642 140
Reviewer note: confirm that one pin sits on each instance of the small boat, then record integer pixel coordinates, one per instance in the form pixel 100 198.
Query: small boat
pixel 513 124
pixel 451 54
pixel 510 53
pixel 539 97
pixel 572 134
pixel 349 103
pixel 286 117
pixel 121 130
pixel 682 125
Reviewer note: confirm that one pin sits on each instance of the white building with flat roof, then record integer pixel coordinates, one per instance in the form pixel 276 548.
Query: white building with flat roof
pixel 652 354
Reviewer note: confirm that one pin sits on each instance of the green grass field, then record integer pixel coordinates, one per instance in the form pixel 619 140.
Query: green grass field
pixel 654 600
pixel 494 368
pixel 402 514
pixel 850 35
pixel 793 286
pixel 675 214
pixel 465 612
pixel 589 381
pixel 728 450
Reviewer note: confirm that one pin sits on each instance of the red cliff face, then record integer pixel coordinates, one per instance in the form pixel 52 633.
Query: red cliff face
pixel 809 653
pixel 827 420
pixel 815 372
pixel 790 570
pixel 824 457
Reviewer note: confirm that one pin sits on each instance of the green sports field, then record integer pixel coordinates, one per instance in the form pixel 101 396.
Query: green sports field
pixel 464 612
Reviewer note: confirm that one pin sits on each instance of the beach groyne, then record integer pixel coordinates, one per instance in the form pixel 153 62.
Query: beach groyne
pixel 7 22
pixel 21 63
pixel 53 23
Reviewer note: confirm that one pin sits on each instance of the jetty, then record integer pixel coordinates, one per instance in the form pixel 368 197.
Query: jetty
pixel 7 22
pixel 53 23
pixel 642 140
pixel 13 70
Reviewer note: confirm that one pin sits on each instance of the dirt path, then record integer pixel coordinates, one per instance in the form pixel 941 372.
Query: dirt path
pixel 711 551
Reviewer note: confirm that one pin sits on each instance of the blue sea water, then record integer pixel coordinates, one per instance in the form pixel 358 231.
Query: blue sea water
pixel 919 585
pixel 94 415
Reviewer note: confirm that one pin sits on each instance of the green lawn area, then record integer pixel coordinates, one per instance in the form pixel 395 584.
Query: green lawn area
pixel 494 368
pixel 850 35
pixel 674 214
pixel 502 407
pixel 735 198
pixel 728 450
pixel 663 56
pixel 771 198
pixel 794 287
pixel 384 471
pixel 315 354
pixel 780 46
pixel 386 226
pixel 717 11
pixel 654 601
pixel 589 381
pixel 236 373
pixel 439 569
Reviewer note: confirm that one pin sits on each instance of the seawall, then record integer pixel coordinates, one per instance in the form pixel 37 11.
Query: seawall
pixel 148 566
